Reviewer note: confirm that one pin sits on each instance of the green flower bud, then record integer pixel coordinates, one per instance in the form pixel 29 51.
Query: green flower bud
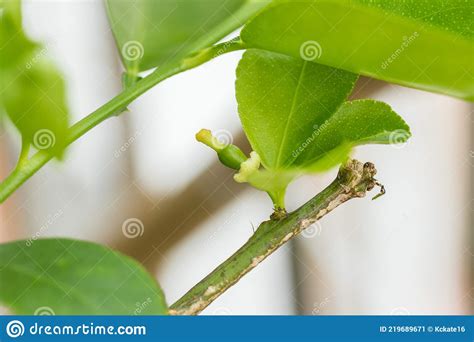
pixel 232 156
pixel 229 155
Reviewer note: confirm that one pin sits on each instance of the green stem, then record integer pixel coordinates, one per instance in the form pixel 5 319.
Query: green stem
pixel 24 153
pixel 278 199
pixel 129 78
pixel 353 180
pixel 29 167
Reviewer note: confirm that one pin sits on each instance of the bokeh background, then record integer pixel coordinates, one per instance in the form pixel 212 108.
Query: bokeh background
pixel 410 252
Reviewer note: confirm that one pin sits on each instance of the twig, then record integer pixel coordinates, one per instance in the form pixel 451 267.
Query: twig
pixel 353 180
pixel 115 106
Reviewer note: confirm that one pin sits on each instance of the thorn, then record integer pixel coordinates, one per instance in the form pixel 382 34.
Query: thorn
pixel 382 190
pixel 253 227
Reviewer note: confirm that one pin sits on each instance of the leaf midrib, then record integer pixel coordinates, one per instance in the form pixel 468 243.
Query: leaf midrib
pixel 292 111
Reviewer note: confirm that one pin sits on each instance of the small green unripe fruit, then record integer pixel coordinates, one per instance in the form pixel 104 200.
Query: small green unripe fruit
pixel 229 155
pixel 232 156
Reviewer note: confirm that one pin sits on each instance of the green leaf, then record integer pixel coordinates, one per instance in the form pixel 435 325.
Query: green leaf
pixel 356 123
pixel 70 277
pixel 15 46
pixel 425 44
pixel 282 102
pixel 32 91
pixel 151 32
pixel 34 99
pixel 294 115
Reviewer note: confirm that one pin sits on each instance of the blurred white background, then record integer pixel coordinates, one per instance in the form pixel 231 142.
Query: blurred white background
pixel 410 252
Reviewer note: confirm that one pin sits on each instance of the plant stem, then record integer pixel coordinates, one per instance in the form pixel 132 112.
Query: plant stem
pixel 353 180
pixel 115 106
pixel 25 150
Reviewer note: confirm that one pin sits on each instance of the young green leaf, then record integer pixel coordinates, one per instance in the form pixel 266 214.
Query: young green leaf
pixel 294 115
pixel 15 46
pixel 151 32
pixel 32 91
pixel 283 101
pixel 34 98
pixel 422 44
pixel 70 277
pixel 355 123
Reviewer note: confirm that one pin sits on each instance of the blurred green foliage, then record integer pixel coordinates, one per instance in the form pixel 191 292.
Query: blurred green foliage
pixel 32 90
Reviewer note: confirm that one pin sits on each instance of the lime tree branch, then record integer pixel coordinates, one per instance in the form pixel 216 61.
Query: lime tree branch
pixel 28 167
pixel 353 180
